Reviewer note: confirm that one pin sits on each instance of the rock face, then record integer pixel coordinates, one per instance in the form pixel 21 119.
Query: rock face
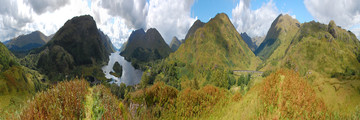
pixel 175 44
pixel 145 47
pixel 332 28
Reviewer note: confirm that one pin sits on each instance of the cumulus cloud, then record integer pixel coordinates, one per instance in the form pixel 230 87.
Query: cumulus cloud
pixel 133 11
pixel 13 16
pixel 41 6
pixel 117 19
pixel 345 13
pixel 254 22
pixel 170 17
pixel 50 22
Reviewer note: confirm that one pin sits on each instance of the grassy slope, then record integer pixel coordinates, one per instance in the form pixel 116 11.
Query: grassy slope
pixel 317 55
pixel 278 39
pixel 216 44
pixel 314 48
pixel 17 83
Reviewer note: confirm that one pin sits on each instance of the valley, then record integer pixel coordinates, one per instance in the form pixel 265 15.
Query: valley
pixel 213 70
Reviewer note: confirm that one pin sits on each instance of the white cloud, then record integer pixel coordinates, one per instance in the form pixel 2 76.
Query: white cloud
pixel 13 16
pixel 345 13
pixel 170 17
pixel 133 11
pixel 254 22
pixel 41 6
pixel 49 22
pixel 117 19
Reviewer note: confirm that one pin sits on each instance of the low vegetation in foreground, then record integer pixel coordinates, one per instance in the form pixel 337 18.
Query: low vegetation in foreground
pixel 73 99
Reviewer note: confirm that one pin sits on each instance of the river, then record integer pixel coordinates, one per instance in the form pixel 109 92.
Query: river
pixel 130 75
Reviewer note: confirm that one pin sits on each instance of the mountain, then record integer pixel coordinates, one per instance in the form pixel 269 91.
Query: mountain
pixel 22 44
pixel 77 44
pixel 207 57
pixel 325 49
pixel 278 38
pixel 144 47
pixel 251 44
pixel 197 24
pixel 175 44
pixel 217 43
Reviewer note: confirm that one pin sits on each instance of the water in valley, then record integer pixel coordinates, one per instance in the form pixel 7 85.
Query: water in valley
pixel 130 75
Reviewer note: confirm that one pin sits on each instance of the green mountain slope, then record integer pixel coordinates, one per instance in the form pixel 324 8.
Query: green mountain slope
pixel 207 57
pixel 77 48
pixel 17 83
pixel 196 25
pixel 278 38
pixel 22 44
pixel 326 49
pixel 216 44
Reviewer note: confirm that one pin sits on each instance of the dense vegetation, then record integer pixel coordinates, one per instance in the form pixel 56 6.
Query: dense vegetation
pixel 207 57
pixel 17 83
pixel 78 48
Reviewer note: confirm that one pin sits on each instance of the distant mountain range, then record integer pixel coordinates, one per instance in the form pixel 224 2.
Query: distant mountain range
pixel 22 44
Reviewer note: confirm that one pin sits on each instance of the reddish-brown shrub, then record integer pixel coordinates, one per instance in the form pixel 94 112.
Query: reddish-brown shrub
pixel 64 101
pixel 194 102
pixel 292 96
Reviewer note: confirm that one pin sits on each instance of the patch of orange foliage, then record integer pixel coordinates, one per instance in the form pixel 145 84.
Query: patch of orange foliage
pixel 292 96
pixel 194 102
pixel 64 101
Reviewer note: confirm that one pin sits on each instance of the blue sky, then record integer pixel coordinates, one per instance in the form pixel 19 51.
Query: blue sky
pixel 206 9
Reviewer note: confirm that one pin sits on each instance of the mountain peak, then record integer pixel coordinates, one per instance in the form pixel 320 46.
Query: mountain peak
pixel 197 24
pixel 283 28
pixel 220 17
pixel 77 43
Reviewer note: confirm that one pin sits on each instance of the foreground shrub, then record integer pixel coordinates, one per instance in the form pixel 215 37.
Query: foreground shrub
pixel 192 103
pixel 290 97
pixel 106 106
pixel 64 101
